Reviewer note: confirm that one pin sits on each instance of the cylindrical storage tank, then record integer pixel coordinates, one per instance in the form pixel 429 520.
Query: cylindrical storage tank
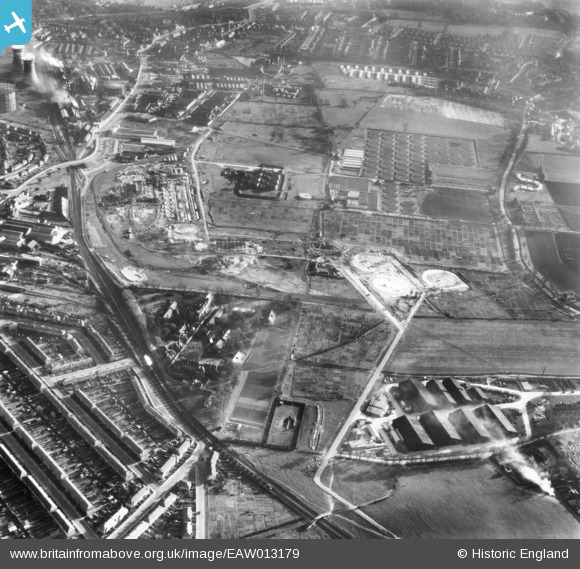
pixel 7 98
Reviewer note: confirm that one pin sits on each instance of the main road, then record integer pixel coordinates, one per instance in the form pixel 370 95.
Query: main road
pixel 354 415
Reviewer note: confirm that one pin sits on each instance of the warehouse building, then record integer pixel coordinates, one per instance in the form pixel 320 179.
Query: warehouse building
pixel 439 428
pixel 454 389
pixel 414 392
pixel 477 394
pixel 469 427
pixel 412 432
pixel 495 421
pixel 441 395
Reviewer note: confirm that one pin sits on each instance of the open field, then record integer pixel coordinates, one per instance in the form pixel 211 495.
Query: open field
pixel 272 113
pixel 363 352
pixel 332 287
pixel 320 383
pixel 253 405
pixel 512 295
pixel 226 149
pixel 313 184
pixel 422 241
pixel 272 345
pixel 262 370
pixel 544 253
pixel 308 139
pixel 344 108
pixel 383 118
pixel 323 327
pixel 493 346
pixel 452 203
pixel 440 108
pixel 467 304
pixel 459 501
pixel 279 216
pixel 557 167
pixel 569 250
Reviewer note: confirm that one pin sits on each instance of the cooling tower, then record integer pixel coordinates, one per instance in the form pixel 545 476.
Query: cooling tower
pixel 7 98
pixel 17 63
pixel 30 75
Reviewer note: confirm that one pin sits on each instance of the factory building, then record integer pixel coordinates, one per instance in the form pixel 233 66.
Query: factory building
pixel 469 427
pixel 414 392
pixel 412 432
pixel 495 421
pixel 454 388
pixel 439 428
pixel 441 395
pixel 477 394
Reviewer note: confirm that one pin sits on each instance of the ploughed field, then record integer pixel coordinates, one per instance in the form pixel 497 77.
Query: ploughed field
pixel 545 256
pixel 436 346
pixel 459 501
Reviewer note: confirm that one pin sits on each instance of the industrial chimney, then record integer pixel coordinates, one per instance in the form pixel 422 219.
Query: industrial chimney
pixel 30 75
pixel 17 63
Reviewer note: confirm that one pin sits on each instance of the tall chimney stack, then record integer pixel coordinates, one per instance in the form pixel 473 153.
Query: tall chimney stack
pixel 17 63
pixel 30 75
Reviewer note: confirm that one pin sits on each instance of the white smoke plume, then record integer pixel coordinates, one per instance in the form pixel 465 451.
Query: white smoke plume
pixel 47 58
pixel 46 85
pixel 528 469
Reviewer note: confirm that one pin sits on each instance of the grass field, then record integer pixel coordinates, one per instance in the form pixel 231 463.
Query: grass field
pixel 461 501
pixel 363 352
pixel 447 203
pixel 544 253
pixel 264 365
pixel 227 149
pixel 272 114
pixel 512 295
pixel 320 383
pixel 323 327
pixel 569 250
pixel 308 139
pixel 560 167
pixel 428 124
pixel 287 217
pixel 467 304
pixel 492 346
